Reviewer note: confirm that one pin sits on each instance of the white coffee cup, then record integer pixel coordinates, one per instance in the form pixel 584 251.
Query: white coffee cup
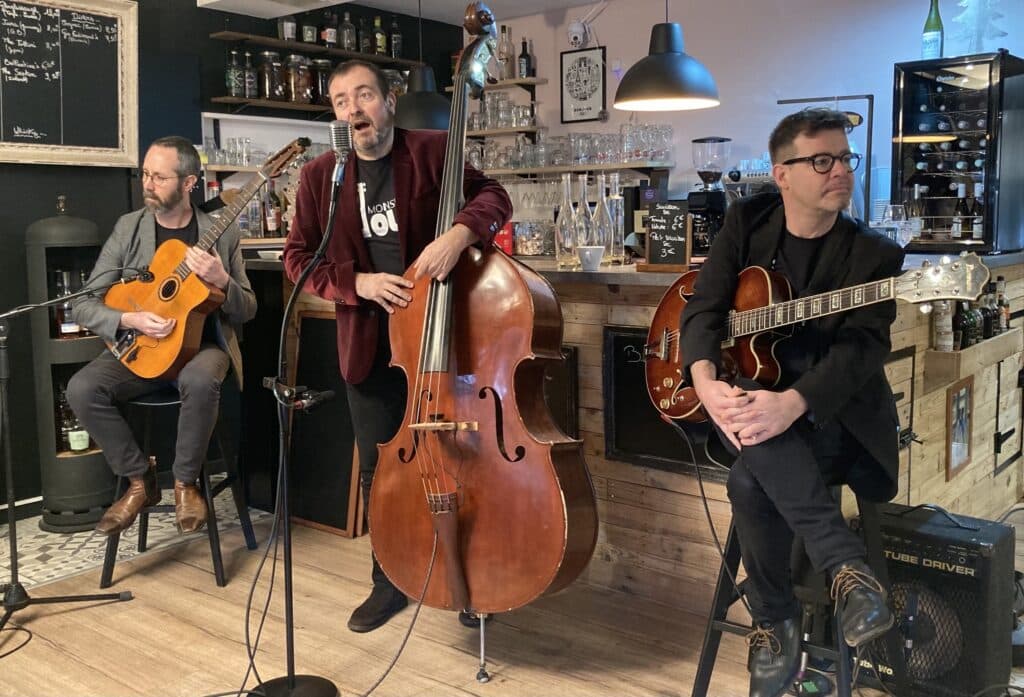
pixel 590 256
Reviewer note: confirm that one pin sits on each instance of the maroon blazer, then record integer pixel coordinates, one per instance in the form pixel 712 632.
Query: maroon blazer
pixel 417 159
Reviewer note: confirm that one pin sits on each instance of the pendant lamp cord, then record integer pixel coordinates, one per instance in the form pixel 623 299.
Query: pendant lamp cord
pixel 419 5
pixel 666 11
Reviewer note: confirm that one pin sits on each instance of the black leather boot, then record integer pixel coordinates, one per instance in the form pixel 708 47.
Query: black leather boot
pixel 385 602
pixel 860 603
pixel 774 657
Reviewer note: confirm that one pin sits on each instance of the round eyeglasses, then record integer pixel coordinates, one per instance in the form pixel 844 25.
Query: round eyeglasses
pixel 158 179
pixel 823 162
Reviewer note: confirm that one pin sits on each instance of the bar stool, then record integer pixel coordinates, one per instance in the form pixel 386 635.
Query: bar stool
pixel 169 397
pixel 813 592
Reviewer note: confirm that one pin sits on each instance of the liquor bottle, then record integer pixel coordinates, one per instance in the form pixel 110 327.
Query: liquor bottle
pixel 310 31
pixel 925 147
pixel 988 314
pixel 329 29
pixel 963 124
pixel 965 144
pixel 506 54
pixel 380 39
pixel 365 37
pixel 945 146
pixel 396 39
pixel 942 326
pixel 83 281
pixel 961 327
pixel 617 212
pixel 978 212
pixel 523 66
pixel 960 213
pixel 932 36
pixel 993 305
pixel 583 220
pixel 979 321
pixel 603 225
pixel 234 77
pixel 915 212
pixel 286 28
pixel 1003 303
pixel 565 230
pixel 249 78
pixel 272 211
pixel 347 34
pixel 255 207
pixel 943 124
pixel 67 327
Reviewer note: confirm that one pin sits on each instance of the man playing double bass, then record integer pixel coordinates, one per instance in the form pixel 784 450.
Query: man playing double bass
pixel 831 419
pixel 387 210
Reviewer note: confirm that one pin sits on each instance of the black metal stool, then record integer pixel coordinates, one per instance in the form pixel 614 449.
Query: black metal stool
pixel 169 397
pixel 813 593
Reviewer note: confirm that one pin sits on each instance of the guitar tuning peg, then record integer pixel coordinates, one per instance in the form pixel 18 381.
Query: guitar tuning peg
pixel 925 308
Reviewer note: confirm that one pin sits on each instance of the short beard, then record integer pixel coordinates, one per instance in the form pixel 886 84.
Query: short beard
pixel 155 205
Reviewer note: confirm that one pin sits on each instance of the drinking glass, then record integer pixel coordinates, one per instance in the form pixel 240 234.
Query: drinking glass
pixel 895 214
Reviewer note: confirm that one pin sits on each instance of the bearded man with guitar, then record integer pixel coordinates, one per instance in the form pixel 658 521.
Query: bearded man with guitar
pixel 830 418
pixel 169 171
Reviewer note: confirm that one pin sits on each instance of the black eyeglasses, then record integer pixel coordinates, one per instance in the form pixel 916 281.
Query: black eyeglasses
pixel 823 162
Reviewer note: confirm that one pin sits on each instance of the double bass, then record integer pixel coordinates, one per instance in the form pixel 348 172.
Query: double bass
pixel 480 502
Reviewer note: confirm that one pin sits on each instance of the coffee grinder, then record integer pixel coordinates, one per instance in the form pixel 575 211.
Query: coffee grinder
pixel 706 206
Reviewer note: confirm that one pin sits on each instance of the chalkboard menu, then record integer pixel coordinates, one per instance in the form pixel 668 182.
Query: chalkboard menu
pixel 668 244
pixel 67 82
pixel 633 429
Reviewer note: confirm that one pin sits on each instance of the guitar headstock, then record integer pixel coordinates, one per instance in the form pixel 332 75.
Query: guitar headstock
pixel 479 22
pixel 277 163
pixel 959 278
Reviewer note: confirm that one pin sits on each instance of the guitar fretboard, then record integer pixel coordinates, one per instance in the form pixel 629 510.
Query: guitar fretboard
pixel 223 221
pixel 770 317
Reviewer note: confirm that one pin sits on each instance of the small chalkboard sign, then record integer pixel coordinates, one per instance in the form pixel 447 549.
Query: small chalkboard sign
pixel 668 240
pixel 68 74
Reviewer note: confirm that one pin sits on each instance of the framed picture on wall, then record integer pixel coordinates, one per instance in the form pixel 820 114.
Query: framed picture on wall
pixel 583 85
pixel 959 410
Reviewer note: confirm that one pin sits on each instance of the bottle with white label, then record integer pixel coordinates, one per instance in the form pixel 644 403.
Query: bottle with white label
pixel 932 36
pixel 961 214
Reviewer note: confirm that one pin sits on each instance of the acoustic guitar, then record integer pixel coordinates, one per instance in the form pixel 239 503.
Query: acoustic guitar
pixel 762 305
pixel 177 293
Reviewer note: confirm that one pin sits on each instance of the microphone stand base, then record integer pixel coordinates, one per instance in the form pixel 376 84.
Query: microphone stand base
pixel 299 686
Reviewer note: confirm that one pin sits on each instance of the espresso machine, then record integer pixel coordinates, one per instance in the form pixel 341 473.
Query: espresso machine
pixel 706 206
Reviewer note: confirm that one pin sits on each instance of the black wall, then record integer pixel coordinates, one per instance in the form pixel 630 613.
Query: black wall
pixel 180 69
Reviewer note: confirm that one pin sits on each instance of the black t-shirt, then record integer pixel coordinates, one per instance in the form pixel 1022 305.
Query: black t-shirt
pixel 796 259
pixel 188 234
pixel 376 186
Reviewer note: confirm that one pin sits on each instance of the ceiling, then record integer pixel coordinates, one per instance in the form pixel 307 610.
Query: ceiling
pixel 449 11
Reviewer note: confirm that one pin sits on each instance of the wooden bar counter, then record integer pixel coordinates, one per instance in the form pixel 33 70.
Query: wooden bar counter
pixel 654 539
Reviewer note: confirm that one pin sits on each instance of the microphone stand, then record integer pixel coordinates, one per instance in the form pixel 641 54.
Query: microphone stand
pixel 15 597
pixel 292 685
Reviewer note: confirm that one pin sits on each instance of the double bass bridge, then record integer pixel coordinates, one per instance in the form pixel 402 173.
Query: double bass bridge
pixel 443 502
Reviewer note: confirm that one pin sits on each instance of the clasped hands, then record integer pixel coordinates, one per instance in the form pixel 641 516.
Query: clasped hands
pixel 747 417
pixel 435 261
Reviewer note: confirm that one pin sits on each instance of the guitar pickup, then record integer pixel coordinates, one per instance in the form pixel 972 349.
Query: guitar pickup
pixel 123 343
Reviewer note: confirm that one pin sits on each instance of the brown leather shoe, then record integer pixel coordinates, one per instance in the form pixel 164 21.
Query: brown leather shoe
pixel 142 491
pixel 189 506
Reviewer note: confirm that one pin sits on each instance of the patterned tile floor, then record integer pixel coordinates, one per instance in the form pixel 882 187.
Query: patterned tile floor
pixel 46 556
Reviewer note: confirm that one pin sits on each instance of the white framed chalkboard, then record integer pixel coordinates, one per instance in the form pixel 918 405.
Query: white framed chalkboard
pixel 68 82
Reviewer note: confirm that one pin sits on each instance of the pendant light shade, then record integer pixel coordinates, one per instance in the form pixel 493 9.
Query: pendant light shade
pixel 422 106
pixel 667 79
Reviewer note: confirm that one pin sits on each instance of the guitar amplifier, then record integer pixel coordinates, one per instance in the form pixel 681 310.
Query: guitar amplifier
pixel 952 593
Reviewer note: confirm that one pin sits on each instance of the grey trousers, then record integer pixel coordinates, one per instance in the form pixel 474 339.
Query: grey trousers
pixel 94 391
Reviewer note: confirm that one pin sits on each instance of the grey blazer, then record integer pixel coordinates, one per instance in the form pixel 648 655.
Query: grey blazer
pixel 132 244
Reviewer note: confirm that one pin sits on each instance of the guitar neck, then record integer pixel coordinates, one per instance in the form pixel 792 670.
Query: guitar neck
pixel 228 214
pixel 770 317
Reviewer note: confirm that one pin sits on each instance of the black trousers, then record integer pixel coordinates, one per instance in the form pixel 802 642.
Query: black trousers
pixel 779 488
pixel 377 406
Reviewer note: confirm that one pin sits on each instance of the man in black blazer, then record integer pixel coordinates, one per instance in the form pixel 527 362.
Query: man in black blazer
pixel 830 419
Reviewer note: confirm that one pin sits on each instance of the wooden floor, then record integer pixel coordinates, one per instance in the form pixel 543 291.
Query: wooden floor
pixel 182 635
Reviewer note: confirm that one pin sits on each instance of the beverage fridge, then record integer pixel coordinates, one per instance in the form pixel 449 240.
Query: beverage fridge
pixel 958 152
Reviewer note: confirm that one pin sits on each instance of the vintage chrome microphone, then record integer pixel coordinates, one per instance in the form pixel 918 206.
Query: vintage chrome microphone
pixel 341 144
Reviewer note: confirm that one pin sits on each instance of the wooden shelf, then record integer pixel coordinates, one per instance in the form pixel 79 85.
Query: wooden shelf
pixel 942 368
pixel 231 168
pixel 270 104
pixel 642 165
pixel 501 132
pixel 303 47
pixel 527 83
pixel 263 241
pixel 62 454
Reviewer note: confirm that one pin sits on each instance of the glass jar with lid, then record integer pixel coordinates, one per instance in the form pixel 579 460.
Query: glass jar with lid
pixel 298 79
pixel 322 69
pixel 271 76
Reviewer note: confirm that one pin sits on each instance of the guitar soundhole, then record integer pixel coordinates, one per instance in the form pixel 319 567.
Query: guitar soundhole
pixel 168 289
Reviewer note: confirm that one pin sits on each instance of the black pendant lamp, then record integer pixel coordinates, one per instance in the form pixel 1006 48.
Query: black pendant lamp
pixel 667 79
pixel 422 106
